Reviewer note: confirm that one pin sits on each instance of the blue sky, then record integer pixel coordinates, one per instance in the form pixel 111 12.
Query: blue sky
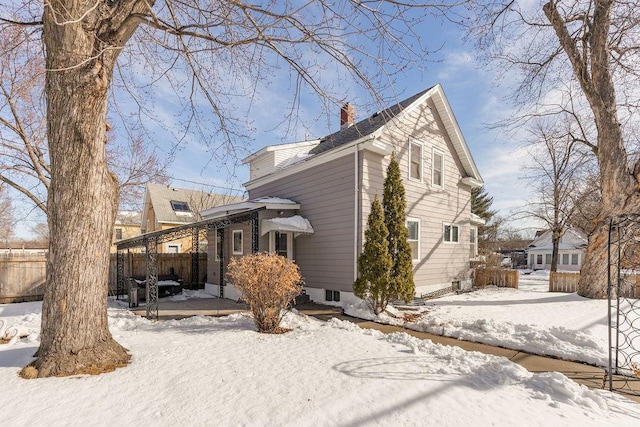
pixel 472 92
pixel 471 89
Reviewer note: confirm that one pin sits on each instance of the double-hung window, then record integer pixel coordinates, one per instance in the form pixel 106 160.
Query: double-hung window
pixel 413 226
pixel 437 169
pixel 450 233
pixel 415 161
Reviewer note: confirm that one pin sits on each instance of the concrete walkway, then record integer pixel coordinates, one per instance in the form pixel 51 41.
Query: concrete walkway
pixel 590 376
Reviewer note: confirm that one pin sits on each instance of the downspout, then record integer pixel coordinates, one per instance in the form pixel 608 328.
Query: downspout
pixel 355 212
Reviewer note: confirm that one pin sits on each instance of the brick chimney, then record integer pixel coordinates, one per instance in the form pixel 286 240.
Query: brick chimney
pixel 347 116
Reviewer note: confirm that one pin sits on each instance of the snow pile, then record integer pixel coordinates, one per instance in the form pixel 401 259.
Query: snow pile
pixel 219 371
pixel 561 325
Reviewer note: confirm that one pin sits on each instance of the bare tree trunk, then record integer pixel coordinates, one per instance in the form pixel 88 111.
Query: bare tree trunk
pixel 620 190
pixel 82 204
pixel 555 240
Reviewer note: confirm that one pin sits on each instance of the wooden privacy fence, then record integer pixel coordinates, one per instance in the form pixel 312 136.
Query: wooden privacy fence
pixel 563 282
pixel 135 265
pixel 501 277
pixel 22 278
pixel 568 282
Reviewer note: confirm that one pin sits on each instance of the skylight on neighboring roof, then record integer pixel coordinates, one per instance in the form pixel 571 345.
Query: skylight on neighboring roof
pixel 180 206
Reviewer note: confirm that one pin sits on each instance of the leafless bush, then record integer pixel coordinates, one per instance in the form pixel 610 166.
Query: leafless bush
pixel 269 283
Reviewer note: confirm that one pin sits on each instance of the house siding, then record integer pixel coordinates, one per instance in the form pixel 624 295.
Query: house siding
pixel 440 263
pixel 326 197
pixel 262 165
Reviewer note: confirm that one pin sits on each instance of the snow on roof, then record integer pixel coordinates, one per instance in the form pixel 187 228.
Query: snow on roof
pixel 295 224
pixel 273 200
pixel 261 202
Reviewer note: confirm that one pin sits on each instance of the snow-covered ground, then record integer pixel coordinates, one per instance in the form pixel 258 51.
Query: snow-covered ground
pixel 219 371
pixel 530 319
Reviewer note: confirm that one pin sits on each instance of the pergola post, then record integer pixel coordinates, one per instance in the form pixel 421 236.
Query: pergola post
pixel 195 265
pixel 220 234
pixel 254 232
pixel 152 278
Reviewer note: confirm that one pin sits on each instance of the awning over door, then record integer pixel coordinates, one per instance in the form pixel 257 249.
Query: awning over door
pixel 294 224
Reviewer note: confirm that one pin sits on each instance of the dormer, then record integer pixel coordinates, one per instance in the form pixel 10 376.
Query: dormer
pixel 275 157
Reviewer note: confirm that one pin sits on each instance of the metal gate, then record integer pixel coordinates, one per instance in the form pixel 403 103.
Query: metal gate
pixel 624 304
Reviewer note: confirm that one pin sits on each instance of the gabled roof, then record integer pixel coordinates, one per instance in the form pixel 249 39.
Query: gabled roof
pixel 571 239
pixel 159 197
pixel 364 127
pixel 372 126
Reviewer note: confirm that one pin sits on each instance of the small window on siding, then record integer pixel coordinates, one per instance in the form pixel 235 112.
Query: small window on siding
pixel 413 226
pixel 118 233
pixel 415 161
pixel 437 169
pixel 539 259
pixel 547 259
pixel 237 242
pixel 565 259
pixel 450 233
pixel 574 259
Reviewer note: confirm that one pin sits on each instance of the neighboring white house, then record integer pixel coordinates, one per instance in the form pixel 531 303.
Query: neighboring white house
pixel 570 250
pixel 326 187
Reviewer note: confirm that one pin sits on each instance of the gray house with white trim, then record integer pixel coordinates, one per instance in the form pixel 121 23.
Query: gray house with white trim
pixel 310 200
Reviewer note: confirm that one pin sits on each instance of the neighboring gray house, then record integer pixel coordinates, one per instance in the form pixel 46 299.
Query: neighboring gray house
pixel 571 248
pixel 310 200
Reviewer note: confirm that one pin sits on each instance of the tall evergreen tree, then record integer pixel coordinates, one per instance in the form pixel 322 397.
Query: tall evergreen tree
pixel 375 262
pixel 395 217
pixel 481 205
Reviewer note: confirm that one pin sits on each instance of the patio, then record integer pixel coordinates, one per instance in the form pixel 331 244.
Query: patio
pixel 174 308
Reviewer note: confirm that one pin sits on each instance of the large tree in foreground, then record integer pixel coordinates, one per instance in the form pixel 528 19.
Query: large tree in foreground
pixel 211 49
pixel 591 45
pixel 24 163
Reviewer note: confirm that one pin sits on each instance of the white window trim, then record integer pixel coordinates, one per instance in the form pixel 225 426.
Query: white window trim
pixel 168 245
pixel 578 259
pixel 416 259
pixel 233 242
pixel 272 244
pixel 450 242
pixel 433 167
pixel 412 142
